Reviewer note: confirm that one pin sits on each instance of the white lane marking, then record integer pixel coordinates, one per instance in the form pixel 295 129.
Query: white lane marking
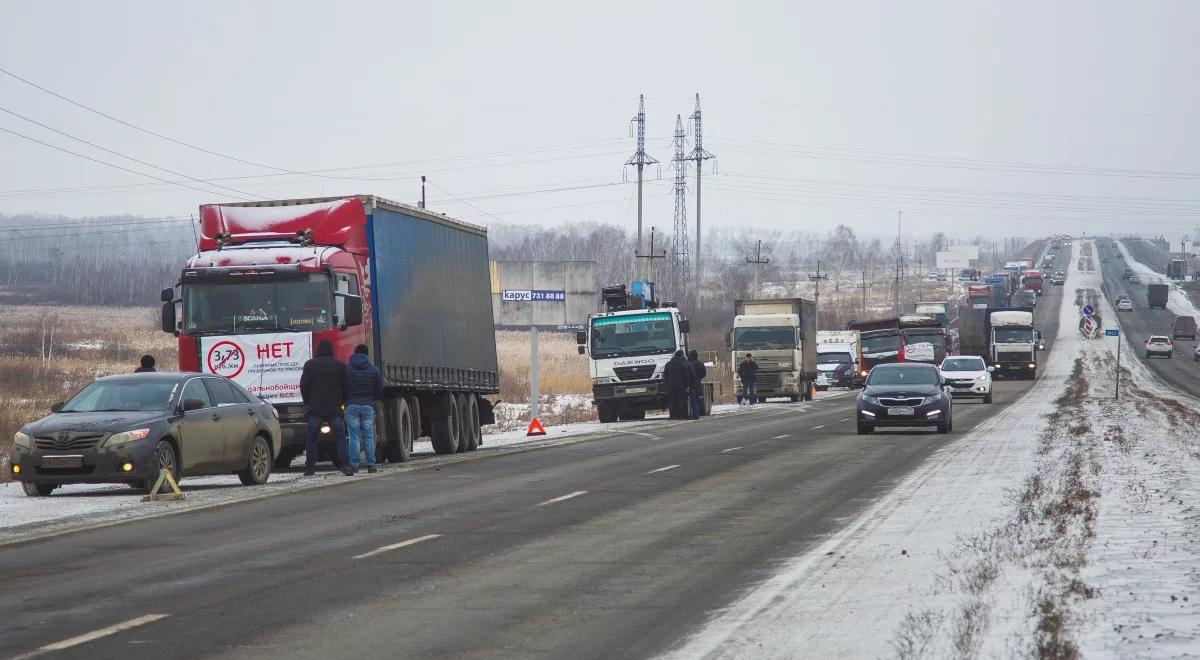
pixel 644 435
pixel 781 437
pixel 725 451
pixel 94 635
pixel 818 427
pixel 397 546
pixel 845 419
pixel 564 498
pixel 663 469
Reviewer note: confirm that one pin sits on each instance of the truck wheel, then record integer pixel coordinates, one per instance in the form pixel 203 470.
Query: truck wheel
pixel 446 432
pixel 258 464
pixel 37 490
pixel 286 456
pixel 808 392
pixel 471 430
pixel 460 408
pixel 398 425
pixel 607 412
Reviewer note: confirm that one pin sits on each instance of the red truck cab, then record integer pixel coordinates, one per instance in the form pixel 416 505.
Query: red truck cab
pixel 1032 280
pixel 979 296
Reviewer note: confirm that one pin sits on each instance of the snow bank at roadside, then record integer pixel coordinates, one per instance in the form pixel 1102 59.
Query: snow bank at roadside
pixel 1178 300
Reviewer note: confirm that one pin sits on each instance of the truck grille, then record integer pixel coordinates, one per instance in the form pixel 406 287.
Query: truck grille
pixel 640 372
pixel 907 402
pixel 68 441
pixel 769 380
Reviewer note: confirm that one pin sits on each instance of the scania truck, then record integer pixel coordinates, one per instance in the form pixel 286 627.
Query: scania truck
pixel 272 279
pixel 781 334
pixel 628 345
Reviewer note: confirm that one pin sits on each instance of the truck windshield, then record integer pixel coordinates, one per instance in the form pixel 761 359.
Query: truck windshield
pixel 938 340
pixel 645 334
pixel 881 344
pixel 767 338
pixel 1014 335
pixel 834 358
pixel 247 307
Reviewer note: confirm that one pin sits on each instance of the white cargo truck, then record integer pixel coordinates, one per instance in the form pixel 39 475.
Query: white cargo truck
pixel 781 334
pixel 836 348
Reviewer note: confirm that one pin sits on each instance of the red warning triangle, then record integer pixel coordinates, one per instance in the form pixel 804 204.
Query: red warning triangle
pixel 535 428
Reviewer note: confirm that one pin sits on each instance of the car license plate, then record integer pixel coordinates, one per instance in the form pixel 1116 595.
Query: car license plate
pixel 900 411
pixel 62 461
pixel 635 390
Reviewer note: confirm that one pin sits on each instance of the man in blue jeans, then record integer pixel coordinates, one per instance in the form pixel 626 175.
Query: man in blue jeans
pixel 366 387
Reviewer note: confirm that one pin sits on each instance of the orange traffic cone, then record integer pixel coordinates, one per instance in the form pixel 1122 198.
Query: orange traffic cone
pixel 535 428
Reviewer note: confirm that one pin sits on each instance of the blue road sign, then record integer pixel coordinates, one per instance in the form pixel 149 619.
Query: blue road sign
pixel 1088 310
pixel 1112 332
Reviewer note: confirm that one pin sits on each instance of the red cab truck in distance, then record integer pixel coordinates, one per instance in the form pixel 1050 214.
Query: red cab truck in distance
pixel 272 279
pixel 1032 280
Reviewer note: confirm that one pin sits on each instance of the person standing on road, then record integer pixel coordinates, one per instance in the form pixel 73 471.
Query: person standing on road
pixel 747 371
pixel 697 387
pixel 677 377
pixel 147 363
pixel 323 387
pixel 366 387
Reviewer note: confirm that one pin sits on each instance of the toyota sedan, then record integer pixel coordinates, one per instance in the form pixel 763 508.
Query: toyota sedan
pixel 127 429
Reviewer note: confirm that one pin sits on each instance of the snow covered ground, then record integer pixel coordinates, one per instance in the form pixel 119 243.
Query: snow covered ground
pixel 74 507
pixel 1066 524
pixel 1177 299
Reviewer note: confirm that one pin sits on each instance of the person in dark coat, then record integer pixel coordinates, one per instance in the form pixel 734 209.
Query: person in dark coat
pixel 696 391
pixel 323 387
pixel 147 363
pixel 747 372
pixel 677 376
pixel 366 387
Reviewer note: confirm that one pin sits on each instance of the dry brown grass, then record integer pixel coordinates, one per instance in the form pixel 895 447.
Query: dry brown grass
pixel 561 369
pixel 47 353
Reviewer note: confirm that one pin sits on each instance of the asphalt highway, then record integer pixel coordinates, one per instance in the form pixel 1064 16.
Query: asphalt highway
pixel 613 547
pixel 1180 371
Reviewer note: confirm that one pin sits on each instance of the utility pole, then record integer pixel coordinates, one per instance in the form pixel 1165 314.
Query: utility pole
pixel 680 261
pixel 864 286
pixel 920 278
pixel 639 158
pixel 896 298
pixel 651 256
pixel 817 296
pixel 699 155
pixel 758 262
pixel 422 191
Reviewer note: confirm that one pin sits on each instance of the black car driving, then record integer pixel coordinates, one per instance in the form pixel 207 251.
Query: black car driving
pixel 125 429
pixel 904 394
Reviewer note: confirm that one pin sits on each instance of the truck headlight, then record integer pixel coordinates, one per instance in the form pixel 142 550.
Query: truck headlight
pixel 127 436
pixel 22 440
pixel 602 380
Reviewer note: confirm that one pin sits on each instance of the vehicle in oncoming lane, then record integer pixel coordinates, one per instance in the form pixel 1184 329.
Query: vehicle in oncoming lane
pixel 904 394
pixel 1184 328
pixel 1159 345
pixel 968 376
pixel 126 429
pixel 1134 279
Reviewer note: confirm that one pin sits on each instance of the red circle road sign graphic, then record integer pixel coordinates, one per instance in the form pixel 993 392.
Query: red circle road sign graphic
pixel 226 358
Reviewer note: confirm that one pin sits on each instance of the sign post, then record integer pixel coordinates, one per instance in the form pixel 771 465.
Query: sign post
pixel 1116 332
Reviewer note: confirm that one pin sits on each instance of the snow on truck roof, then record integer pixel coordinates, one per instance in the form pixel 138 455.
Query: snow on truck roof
pixel 269 212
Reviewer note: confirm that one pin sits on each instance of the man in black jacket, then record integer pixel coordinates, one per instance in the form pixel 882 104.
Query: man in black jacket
pixel 323 386
pixel 747 372
pixel 677 376
pixel 147 363
pixel 696 390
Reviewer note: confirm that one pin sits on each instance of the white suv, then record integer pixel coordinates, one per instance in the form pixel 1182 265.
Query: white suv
pixel 1159 345
pixel 968 376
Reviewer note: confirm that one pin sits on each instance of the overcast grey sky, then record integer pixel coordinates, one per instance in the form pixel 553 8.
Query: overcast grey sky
pixel 999 118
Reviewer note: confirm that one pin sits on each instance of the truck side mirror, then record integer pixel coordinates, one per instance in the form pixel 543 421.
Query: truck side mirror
pixel 168 317
pixel 166 295
pixel 353 311
pixel 582 349
pixel 581 337
pixel 685 326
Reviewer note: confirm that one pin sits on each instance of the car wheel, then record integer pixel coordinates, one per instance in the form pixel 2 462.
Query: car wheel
pixel 987 398
pixel 37 490
pixel 944 427
pixel 258 463
pixel 865 429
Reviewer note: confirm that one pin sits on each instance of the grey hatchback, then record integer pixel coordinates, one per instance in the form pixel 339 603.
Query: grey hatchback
pixel 125 429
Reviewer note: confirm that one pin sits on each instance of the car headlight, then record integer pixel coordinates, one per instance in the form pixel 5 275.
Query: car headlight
pixel 868 399
pixel 981 379
pixel 22 440
pixel 126 436
pixel 935 398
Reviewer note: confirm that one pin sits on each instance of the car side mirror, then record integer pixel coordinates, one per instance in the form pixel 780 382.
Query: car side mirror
pixel 581 337
pixel 991 369
pixel 57 407
pixel 353 311
pixel 166 295
pixel 582 349
pixel 168 318
pixel 192 404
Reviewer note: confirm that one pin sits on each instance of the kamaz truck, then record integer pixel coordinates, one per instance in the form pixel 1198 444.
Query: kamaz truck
pixel 272 279
pixel 781 334
pixel 627 347
pixel 1004 337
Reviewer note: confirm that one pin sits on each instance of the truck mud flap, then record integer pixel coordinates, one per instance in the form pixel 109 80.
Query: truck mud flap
pixel 487 412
